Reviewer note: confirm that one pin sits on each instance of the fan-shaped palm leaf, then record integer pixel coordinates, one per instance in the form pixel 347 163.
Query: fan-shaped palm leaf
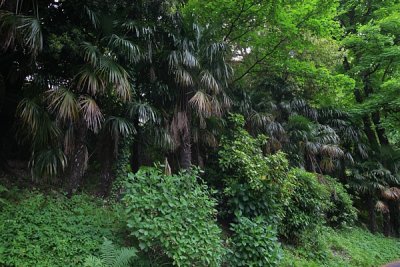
pixel 143 111
pixel 91 113
pixel 207 80
pixel 124 47
pixel 93 17
pixel 201 103
pixel 119 126
pixel 64 103
pixel 48 162
pixel 32 33
pixel 90 53
pixel 116 76
pixel 26 29
pixel 36 124
pixel 89 79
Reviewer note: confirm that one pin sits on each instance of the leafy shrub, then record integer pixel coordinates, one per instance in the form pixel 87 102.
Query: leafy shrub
pixel 305 210
pixel 53 230
pixel 341 211
pixel 255 185
pixel 254 244
pixel 174 213
pixel 345 248
pixel 111 256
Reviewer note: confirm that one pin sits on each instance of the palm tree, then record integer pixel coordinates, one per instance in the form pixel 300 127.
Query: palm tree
pixel 372 180
pixel 311 136
pixel 71 105
pixel 199 74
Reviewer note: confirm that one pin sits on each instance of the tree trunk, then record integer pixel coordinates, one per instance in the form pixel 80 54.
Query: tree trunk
pixel 386 224
pixel 370 133
pixel 395 217
pixel 107 153
pixel 78 159
pixel 185 149
pixel 371 213
pixel 136 152
pixel 368 127
pixel 376 118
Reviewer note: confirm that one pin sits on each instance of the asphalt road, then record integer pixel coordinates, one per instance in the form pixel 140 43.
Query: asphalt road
pixel 393 264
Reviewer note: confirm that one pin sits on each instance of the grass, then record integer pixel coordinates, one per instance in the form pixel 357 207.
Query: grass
pixel 351 247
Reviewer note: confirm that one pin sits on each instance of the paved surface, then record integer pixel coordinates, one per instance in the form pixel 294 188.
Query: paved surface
pixel 393 264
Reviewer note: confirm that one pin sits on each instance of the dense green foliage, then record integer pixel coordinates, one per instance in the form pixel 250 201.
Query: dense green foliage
pixel 41 230
pixel 254 185
pixel 174 214
pixel 111 256
pixel 274 120
pixel 253 243
pixel 306 209
pixel 341 212
pixel 351 247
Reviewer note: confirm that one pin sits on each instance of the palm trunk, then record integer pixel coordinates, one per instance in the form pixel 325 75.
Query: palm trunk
pixel 371 213
pixel 386 224
pixel 395 217
pixel 77 160
pixel 185 149
pixel 107 147
pixel 136 152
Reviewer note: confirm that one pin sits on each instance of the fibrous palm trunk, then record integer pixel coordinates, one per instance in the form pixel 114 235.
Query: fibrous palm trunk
pixel 395 217
pixel 386 224
pixel 107 152
pixel 78 157
pixel 371 213
pixel 185 150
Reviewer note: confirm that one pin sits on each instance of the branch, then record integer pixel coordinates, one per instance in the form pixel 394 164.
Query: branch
pixel 260 60
pixel 272 51
pixel 387 70
pixel 234 21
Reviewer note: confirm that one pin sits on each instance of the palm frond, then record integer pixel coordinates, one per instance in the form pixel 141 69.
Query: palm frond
pixel 90 53
pixel 32 33
pixel 89 79
pixel 207 80
pixel 63 102
pixel 381 206
pixel 183 77
pixel 392 193
pixel 36 124
pixel 8 28
pixel 126 47
pixel 201 103
pixel 26 29
pixel 116 76
pixel 91 113
pixel 119 126
pixel 188 59
pixel 93 17
pixel 48 162
pixel 143 111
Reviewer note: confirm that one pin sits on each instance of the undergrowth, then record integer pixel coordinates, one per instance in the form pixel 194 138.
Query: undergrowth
pixel 349 247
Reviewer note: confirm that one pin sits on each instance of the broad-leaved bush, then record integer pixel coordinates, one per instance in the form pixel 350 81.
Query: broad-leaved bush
pixel 253 243
pixel 254 185
pixel 306 209
pixel 341 212
pixel 174 213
